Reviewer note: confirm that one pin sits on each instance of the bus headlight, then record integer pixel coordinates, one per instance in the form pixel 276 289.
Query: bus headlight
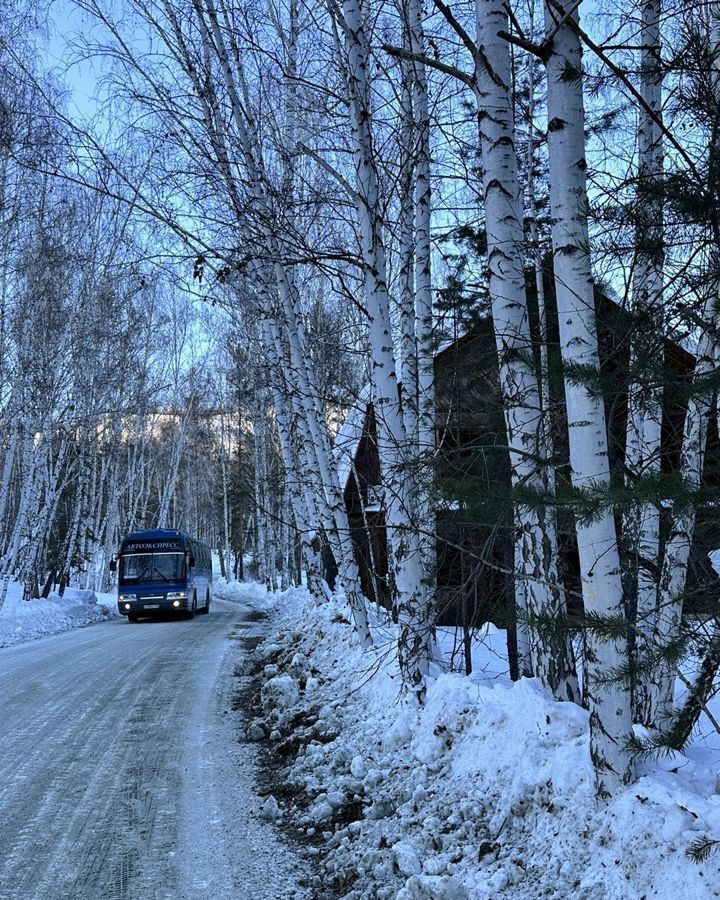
pixel 177 595
pixel 127 606
pixel 125 597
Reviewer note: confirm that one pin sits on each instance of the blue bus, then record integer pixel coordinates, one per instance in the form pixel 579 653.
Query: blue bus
pixel 163 571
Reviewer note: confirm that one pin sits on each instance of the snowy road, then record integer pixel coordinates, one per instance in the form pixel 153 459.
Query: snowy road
pixel 122 777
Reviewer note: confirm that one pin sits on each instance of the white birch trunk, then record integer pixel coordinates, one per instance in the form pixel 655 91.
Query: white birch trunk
pixel 8 464
pixel 87 513
pixel 406 255
pixel 225 544
pixel 318 456
pixel 286 573
pixel 673 574
pixel 536 549
pixel 41 514
pixel 112 520
pixel 29 477
pixel 178 449
pixel 641 524
pixel 424 510
pixel 260 425
pixel 414 601
pixel 300 453
pixel 71 545
pixel 304 510
pixel 609 704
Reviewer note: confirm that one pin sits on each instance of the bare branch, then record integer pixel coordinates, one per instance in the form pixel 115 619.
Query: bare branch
pixel 330 169
pixel 400 53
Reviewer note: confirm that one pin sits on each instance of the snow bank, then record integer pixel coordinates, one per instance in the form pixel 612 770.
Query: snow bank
pixel 22 620
pixel 249 593
pixel 486 791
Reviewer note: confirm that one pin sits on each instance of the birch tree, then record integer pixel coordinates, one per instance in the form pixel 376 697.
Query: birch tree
pixel 539 591
pixel 641 524
pixel 609 703
pixel 701 404
pixel 414 599
pixel 551 658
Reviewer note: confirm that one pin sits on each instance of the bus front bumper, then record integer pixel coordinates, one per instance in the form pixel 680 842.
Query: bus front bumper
pixel 153 605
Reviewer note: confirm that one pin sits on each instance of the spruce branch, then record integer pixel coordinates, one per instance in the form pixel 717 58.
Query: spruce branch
pixel 655 746
pixel 701 849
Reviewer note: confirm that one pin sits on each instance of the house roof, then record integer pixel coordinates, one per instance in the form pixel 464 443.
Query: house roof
pixel 348 437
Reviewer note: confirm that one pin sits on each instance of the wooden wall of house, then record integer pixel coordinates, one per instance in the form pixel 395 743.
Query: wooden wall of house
pixel 473 478
pixel 367 524
pixel 472 494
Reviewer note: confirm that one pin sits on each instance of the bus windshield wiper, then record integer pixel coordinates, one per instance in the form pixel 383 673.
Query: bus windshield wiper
pixel 164 578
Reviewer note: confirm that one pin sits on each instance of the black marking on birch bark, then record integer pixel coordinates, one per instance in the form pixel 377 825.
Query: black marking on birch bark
pixel 497 185
pixel 567 250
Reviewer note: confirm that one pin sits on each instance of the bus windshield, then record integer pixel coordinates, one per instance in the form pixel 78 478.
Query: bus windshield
pixel 138 568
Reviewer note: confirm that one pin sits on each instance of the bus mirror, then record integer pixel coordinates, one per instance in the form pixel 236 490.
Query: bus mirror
pixel 113 565
pixel 191 561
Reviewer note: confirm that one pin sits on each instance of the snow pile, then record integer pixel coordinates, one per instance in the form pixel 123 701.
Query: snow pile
pixel 485 791
pixel 22 620
pixel 249 593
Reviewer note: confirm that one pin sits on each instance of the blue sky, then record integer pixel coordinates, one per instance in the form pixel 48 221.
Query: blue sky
pixel 65 26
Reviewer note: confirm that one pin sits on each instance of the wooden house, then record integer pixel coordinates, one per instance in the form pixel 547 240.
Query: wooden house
pixel 472 491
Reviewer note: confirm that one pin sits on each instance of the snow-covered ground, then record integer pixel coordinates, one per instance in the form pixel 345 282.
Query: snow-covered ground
pixel 22 620
pixel 487 791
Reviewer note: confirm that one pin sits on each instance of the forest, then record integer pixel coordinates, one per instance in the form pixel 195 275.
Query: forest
pixel 411 302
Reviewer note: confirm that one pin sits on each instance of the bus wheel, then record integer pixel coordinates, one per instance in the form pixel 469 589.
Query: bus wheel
pixel 190 614
pixel 206 609
pixel 132 618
